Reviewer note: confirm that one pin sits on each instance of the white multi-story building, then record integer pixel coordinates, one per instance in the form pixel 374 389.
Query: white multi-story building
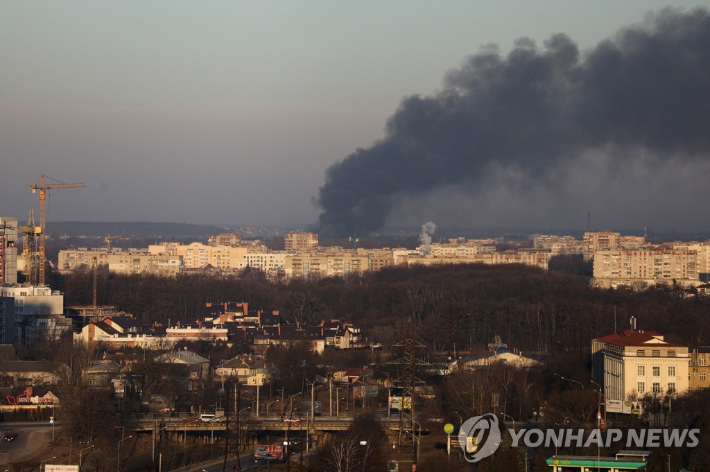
pixel 558 245
pixel 300 242
pixel 643 267
pixel 8 250
pixel 71 259
pixel 31 306
pixel 142 263
pixel 318 265
pixel 631 364
pixel 702 251
pixel 266 261
pixel 600 241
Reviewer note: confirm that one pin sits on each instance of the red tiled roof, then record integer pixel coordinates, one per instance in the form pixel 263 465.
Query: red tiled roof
pixel 637 338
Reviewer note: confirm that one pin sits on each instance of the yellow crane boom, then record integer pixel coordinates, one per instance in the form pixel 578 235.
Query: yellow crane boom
pixel 44 189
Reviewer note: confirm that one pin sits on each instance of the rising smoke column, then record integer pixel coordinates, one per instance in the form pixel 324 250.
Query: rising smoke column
pixel 644 90
pixel 425 235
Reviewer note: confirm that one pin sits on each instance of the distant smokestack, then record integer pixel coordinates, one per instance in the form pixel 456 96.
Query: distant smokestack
pixel 428 230
pixel 644 92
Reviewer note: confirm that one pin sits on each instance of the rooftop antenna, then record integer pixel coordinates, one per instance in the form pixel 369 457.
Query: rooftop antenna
pixel 589 221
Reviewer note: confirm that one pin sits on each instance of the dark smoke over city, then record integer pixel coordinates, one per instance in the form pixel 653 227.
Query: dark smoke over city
pixel 645 91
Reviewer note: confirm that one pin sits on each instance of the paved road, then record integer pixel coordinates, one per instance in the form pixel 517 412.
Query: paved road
pixel 31 439
pixel 247 463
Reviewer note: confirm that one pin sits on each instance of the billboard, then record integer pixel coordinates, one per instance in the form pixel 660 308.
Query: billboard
pixel 627 407
pixel 363 391
pixel 395 400
pixel 306 408
pixel 61 468
pixel 615 406
pixel 270 452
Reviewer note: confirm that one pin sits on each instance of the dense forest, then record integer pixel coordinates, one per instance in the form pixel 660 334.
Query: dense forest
pixel 451 307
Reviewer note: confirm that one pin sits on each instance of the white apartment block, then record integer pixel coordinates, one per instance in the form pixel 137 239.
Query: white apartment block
pixel 599 241
pixel 558 245
pixel 644 267
pixel 532 257
pixel 198 255
pixel 300 242
pixel 71 259
pixel 702 251
pixel 143 263
pixel 631 364
pixel 32 303
pixel 457 249
pixel 266 261
pixel 316 265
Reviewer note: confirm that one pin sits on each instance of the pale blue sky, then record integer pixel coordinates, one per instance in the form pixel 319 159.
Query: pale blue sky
pixel 230 111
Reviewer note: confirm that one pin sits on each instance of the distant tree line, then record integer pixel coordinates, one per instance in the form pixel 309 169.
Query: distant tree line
pixel 457 308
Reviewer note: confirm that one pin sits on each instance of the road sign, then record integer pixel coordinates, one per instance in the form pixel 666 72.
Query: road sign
pixel 448 428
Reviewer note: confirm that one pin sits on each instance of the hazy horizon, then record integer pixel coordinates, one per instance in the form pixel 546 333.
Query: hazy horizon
pixel 230 115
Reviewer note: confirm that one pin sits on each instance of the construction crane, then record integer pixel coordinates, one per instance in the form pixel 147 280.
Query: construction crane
pixel 108 242
pixel 44 189
pixel 29 247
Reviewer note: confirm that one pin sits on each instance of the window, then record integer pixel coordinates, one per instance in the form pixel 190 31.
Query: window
pixel 671 371
pixel 656 371
pixel 702 361
pixel 656 353
pixel 671 387
pixel 702 376
pixel 641 370
pixel 656 387
pixel 671 353
pixel 641 353
pixel 641 387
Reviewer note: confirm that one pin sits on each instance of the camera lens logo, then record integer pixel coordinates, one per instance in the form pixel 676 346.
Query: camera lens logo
pixel 479 437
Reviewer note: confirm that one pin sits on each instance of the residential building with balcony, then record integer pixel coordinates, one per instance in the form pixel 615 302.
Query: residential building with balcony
pixel 645 267
pixel 300 242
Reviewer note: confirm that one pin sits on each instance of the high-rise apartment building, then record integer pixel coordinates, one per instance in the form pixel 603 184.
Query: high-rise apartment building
pixel 8 250
pixel 300 242
pixel 224 239
pixel 641 267
pixel 600 241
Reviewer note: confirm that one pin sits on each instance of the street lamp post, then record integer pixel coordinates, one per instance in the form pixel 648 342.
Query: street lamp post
pixel 569 380
pixel 45 461
pixel 118 457
pixel 81 454
pixel 508 416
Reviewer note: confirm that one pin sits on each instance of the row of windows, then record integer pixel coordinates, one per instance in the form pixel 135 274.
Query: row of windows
pixel 656 371
pixel 654 353
pixel 656 387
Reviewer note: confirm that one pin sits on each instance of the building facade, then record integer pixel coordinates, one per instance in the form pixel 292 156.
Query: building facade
pixel 599 241
pixel 33 303
pixel 700 368
pixel 8 250
pixel 644 267
pixel 300 242
pixel 631 364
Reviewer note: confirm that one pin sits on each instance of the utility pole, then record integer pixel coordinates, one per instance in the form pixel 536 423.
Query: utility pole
pixel 407 421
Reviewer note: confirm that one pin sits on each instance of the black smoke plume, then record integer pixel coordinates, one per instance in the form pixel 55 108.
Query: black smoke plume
pixel 647 89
